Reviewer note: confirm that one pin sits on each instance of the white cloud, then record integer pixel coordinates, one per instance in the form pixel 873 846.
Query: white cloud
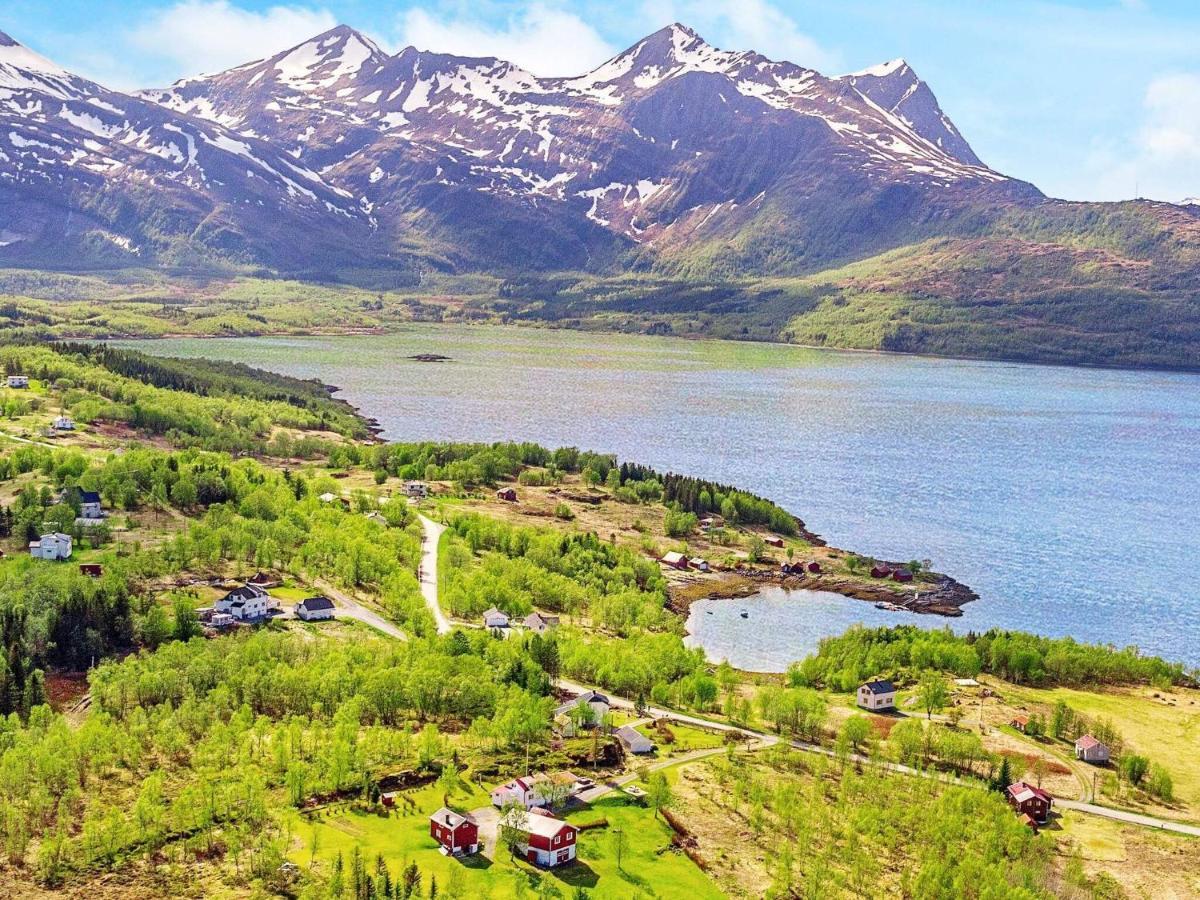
pixel 1171 132
pixel 210 35
pixel 745 25
pixel 548 42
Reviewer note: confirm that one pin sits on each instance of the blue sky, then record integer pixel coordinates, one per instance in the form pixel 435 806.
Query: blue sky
pixel 1088 99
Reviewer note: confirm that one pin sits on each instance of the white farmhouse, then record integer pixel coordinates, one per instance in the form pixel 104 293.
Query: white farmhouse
pixel 877 695
pixel 314 609
pixel 18 381
pixel 90 506
pixel 51 546
pixel 247 602
pixel 63 423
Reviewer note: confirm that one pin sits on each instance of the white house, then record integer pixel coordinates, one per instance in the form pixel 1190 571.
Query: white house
pixel 247 602
pixel 18 381
pixel 698 563
pixel 51 546
pixel 314 608
pixel 539 623
pixel 633 740
pixel 416 490
pixel 494 618
pixel 63 423
pixel 327 497
pixel 877 695
pixel 599 704
pixel 90 506
pixel 529 791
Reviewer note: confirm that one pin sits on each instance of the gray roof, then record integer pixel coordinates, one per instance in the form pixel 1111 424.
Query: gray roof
pixel 312 604
pixel 880 687
pixel 244 593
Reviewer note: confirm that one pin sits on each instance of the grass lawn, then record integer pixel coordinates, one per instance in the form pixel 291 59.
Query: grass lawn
pixel 687 738
pixel 402 838
pixel 1166 730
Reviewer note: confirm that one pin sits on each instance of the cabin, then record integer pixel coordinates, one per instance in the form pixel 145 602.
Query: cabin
pixel 18 381
pixel 902 575
pixel 881 572
pixel 494 618
pixel 416 490
pixel 599 704
pixel 708 523
pixel 700 565
pixel 814 568
pixel 55 545
pixel 1091 750
pixel 539 623
pixel 264 580
pixel 1019 722
pixel 1030 801
pixel 314 609
pixel 773 541
pixel 63 423
pixel 247 602
pixel 91 570
pixel 90 506
pixel 549 841
pixel 877 695
pixel 674 560
pixel 507 494
pixel 458 834
pixel 633 740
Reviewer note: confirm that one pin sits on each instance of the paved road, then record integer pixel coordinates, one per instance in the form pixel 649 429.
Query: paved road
pixel 1130 817
pixel 349 608
pixel 429 572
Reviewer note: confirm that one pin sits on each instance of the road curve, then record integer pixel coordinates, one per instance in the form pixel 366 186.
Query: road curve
pixel 349 608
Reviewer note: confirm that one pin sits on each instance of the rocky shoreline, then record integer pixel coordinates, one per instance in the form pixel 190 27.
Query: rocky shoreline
pixel 943 596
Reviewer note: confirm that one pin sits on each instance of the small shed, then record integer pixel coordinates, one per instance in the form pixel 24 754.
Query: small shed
pixel 91 570
pixel 1019 722
pixel 700 565
pixel 1091 750
pixel 881 572
pixel 773 540
pixel 814 567
pixel 633 740
pixel 507 494
pixel 674 560
pixel 18 381
pixel 902 575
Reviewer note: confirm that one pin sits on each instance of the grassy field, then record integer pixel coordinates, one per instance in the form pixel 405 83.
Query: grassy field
pixel 402 838
pixel 1146 864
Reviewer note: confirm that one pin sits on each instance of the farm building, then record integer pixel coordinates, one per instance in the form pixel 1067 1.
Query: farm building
pixel 51 546
pixel 877 695
pixel 1030 801
pixel 1091 750
pixel 674 560
pixel 416 490
pixel 18 381
pixel 494 618
pixel 599 704
pixel 313 609
pixel 881 572
pixel 90 506
pixel 550 841
pixel 458 834
pixel 902 575
pixel 700 565
pixel 1019 722
pixel 539 623
pixel 63 423
pixel 633 740
pixel 507 494
pixel 773 540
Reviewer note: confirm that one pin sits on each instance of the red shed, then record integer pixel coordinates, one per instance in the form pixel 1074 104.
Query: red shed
pixel 773 541
pixel 902 575
pixel 457 833
pixel 880 572
pixel 1030 801
pixel 815 568
pixel 507 494
pixel 92 570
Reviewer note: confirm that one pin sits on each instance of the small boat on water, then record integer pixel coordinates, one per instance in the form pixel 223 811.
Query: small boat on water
pixel 890 607
pixel 745 615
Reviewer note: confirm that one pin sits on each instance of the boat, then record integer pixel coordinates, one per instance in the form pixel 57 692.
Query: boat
pixel 745 615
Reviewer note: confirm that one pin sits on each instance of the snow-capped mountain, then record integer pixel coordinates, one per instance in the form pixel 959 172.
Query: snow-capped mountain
pixel 670 142
pixel 84 167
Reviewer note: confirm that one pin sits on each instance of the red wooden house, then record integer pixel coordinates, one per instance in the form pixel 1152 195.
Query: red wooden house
pixel 902 575
pixel 458 834
pixel 1030 801
pixel 881 572
pixel 773 541
pixel 551 842
pixel 814 567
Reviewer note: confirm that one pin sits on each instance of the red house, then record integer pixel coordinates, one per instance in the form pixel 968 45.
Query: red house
pixel 1030 801
pixel 551 841
pixel 509 495
pixel 902 575
pixel 458 834
pixel 815 568
pixel 773 541
pixel 880 572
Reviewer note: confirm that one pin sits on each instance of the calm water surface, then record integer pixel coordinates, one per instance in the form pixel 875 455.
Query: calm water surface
pixel 1068 498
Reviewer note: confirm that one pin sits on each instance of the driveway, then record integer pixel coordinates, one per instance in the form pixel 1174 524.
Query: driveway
pixel 429 571
pixel 349 608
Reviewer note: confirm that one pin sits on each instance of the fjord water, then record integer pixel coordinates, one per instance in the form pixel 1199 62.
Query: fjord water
pixel 1068 498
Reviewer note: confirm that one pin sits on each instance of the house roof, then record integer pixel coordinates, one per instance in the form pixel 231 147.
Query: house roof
pixel 1019 720
pixel 488 613
pixel 1087 742
pixel 244 593
pixel 545 825
pixel 673 557
pixel 1021 792
pixel 448 817
pixel 89 496
pixel 880 687
pixel 312 604
pixel 630 736
pixel 536 618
